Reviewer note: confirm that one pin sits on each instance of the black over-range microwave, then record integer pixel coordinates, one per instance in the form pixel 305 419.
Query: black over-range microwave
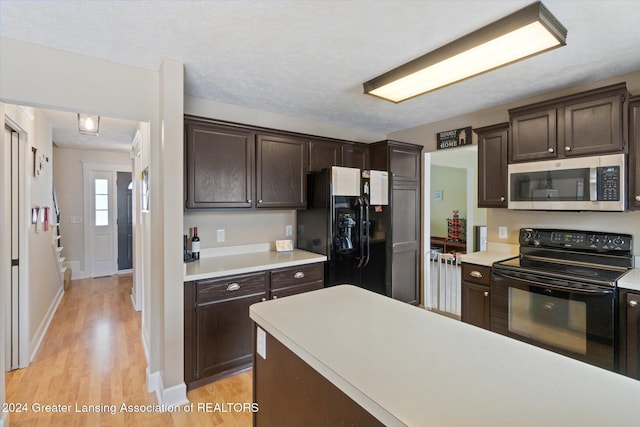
pixel 595 183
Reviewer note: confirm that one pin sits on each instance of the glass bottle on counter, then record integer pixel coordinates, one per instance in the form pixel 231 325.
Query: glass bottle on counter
pixel 195 244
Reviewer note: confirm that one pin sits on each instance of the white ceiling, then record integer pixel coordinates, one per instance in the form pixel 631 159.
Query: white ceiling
pixel 309 58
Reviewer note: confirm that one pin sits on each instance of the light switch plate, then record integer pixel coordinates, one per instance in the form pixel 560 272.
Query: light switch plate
pixel 289 230
pixel 503 232
pixel 220 235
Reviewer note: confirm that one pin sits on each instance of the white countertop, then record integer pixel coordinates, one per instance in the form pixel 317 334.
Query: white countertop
pixel 245 259
pixel 495 252
pixel 410 367
pixel 631 280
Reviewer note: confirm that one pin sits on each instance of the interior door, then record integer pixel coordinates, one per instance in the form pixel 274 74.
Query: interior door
pixel 13 294
pixel 125 221
pixel 102 224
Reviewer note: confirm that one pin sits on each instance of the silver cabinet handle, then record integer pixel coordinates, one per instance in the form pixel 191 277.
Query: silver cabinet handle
pixel 260 201
pixel 567 148
pixel 264 299
pixel 638 198
pixel 274 297
pixel 476 274
pixel 298 275
pixel 550 150
pixel 633 303
pixel 248 200
pixel 502 199
pixel 233 287
pixel 486 294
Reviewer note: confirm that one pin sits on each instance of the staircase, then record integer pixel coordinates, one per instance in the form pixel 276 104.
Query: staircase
pixel 57 244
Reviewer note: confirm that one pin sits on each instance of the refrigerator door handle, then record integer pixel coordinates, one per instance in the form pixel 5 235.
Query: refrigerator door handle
pixel 367 232
pixel 361 232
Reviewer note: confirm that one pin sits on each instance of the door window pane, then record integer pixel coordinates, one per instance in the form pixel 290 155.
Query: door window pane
pixel 101 198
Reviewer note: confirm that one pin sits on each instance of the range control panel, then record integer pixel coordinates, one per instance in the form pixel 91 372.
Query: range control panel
pixel 594 240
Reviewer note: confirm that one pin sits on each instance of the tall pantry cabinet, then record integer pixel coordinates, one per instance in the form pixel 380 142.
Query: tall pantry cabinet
pixel 403 162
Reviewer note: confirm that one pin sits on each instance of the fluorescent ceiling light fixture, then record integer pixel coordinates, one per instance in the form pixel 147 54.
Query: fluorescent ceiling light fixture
pixel 527 32
pixel 88 124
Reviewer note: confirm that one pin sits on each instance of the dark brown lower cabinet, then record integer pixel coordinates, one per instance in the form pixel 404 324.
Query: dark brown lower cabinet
pixel 221 329
pixel 289 392
pixel 217 327
pixel 476 295
pixel 629 310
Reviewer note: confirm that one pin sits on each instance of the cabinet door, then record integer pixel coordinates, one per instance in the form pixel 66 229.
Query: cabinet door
pixel 405 223
pixel 224 334
pixel 533 136
pixel 324 154
pixel 632 302
pixel 219 166
pixel 355 156
pixel 492 166
pixel 404 163
pixel 281 172
pixel 634 154
pixel 476 304
pixel 593 127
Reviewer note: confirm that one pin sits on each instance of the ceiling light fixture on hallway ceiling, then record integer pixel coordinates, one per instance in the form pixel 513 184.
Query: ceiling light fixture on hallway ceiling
pixel 88 124
pixel 525 33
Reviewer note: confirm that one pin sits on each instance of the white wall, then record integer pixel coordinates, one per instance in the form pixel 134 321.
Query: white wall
pixel 453 184
pixel 234 113
pixel 68 179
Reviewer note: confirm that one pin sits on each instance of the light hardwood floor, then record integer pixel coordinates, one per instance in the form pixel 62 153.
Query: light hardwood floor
pixel 92 358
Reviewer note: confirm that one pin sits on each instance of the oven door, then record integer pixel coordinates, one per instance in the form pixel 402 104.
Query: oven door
pixel 568 317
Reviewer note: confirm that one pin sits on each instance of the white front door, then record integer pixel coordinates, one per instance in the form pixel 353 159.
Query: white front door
pixel 102 218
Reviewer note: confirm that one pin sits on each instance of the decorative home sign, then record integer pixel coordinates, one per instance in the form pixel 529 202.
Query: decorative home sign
pixel 454 138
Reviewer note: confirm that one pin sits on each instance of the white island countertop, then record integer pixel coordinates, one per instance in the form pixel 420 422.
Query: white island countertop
pixel 245 259
pixel 410 367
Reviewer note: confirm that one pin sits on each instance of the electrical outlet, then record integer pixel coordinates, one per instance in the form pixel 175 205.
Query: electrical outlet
pixel 503 232
pixel 288 230
pixel 220 235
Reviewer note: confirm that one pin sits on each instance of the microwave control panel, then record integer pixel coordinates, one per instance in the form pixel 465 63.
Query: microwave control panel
pixel 609 183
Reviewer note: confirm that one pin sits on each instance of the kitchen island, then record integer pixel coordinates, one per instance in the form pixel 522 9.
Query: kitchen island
pixel 368 355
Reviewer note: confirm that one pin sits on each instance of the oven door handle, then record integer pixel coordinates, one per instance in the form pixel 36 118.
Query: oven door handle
pixel 529 279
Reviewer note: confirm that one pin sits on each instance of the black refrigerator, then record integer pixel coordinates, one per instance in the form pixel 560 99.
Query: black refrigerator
pixel 342 223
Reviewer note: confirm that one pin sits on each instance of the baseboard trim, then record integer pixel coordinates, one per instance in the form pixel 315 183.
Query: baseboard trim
pixel 171 397
pixel 36 342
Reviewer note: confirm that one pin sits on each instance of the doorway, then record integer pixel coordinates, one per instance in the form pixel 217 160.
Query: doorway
pixel 125 221
pixel 450 184
pixel 101 213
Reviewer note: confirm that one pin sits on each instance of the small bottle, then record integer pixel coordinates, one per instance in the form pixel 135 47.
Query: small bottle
pixel 195 244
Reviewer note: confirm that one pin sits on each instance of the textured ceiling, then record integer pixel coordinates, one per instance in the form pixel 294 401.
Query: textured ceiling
pixel 309 58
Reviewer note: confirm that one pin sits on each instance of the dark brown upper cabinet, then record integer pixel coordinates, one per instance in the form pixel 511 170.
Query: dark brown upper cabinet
pixel 634 153
pixel 355 156
pixel 324 154
pixel 492 165
pixel 533 136
pixel 281 172
pixel 219 166
pixel 584 124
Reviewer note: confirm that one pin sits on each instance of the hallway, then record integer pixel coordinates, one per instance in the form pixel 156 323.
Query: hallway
pixel 91 362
